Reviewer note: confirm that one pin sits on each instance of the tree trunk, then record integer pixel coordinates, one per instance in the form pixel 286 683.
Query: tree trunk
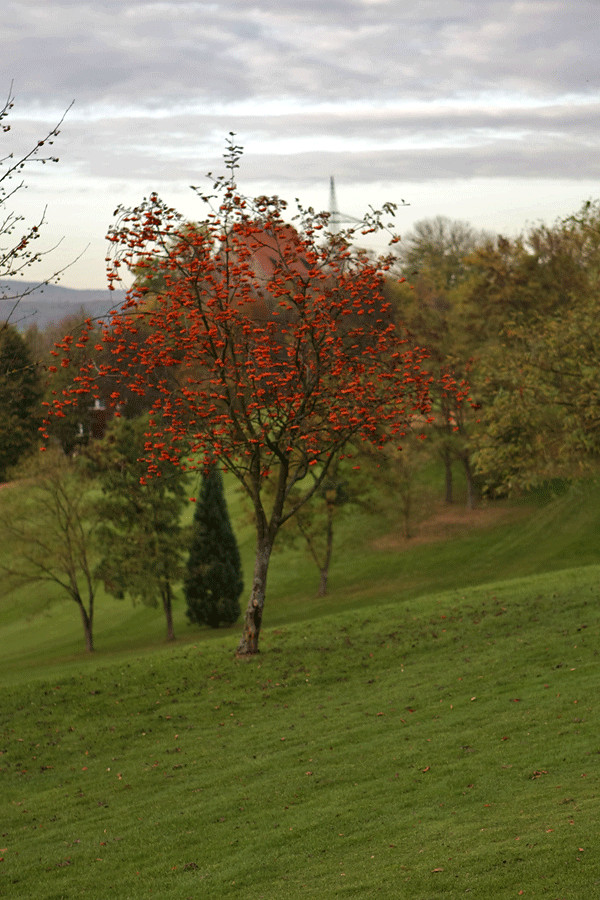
pixel 471 491
pixel 324 569
pixel 87 627
pixel 447 457
pixel 406 507
pixel 323 582
pixel 248 644
pixel 168 608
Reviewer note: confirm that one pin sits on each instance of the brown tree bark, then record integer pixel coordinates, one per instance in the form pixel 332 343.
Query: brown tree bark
pixel 447 458
pixel 87 620
pixel 167 599
pixel 471 489
pixel 248 645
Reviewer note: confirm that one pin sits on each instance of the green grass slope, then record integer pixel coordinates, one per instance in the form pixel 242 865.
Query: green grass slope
pixel 431 747
pixel 428 730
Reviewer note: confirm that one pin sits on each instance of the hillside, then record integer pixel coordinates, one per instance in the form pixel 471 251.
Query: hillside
pixel 51 303
pixel 429 747
pixel 372 565
pixel 426 730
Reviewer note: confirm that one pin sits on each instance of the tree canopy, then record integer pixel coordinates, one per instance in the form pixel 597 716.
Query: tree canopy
pixel 282 342
pixel 541 415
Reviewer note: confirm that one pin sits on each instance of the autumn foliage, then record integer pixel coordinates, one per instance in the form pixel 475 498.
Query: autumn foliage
pixel 266 345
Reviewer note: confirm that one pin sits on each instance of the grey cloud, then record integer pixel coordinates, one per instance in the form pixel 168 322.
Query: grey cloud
pixel 391 91
pixel 544 160
pixel 539 156
pixel 148 53
pixel 560 138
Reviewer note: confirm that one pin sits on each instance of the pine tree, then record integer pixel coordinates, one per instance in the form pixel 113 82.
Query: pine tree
pixel 213 581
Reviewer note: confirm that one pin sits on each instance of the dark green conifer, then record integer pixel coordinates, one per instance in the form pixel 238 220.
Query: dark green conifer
pixel 213 582
pixel 20 395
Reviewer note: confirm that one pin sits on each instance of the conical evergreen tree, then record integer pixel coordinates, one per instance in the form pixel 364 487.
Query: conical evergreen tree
pixel 213 582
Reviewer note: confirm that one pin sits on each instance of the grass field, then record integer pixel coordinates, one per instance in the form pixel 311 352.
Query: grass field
pixel 429 730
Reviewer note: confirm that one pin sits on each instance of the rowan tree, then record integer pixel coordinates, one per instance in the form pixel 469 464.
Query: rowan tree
pixel 281 340
pixel 72 430
pixel 213 580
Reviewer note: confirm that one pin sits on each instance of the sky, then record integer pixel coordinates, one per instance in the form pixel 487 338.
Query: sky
pixel 487 111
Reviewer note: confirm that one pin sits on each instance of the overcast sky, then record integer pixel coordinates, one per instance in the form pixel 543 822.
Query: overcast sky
pixel 484 110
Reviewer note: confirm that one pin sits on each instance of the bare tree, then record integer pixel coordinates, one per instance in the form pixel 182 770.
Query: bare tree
pixel 51 530
pixel 19 249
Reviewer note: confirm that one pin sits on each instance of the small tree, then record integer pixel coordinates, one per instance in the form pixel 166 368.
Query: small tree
pixel 213 581
pixel 283 343
pixel 52 529
pixel 140 536
pixel 315 523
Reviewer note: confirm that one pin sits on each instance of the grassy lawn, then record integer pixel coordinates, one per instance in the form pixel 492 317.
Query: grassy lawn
pixel 429 730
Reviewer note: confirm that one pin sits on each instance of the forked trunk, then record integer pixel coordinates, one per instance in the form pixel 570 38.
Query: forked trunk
pixel 248 644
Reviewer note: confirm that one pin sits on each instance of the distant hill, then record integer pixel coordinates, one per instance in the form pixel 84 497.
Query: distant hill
pixel 51 303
